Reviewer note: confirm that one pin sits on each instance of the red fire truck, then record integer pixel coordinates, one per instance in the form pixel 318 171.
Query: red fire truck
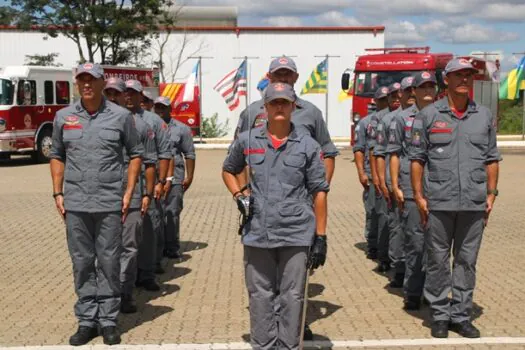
pixel 382 67
pixel 186 112
pixel 31 95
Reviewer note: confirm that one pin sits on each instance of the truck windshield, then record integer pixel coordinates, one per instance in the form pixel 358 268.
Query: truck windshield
pixel 366 83
pixel 6 92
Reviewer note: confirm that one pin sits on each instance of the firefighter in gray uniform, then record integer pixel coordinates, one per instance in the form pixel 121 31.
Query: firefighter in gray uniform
pixel 400 96
pixel 306 116
pixel 153 226
pixel 147 101
pixel 398 143
pixel 456 138
pixel 87 164
pixel 142 196
pixel 114 91
pixel 362 164
pixel 381 206
pixel 287 171
pixel 180 175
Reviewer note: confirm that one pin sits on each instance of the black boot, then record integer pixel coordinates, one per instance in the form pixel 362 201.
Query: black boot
pixel 397 282
pixel 439 329
pixel 111 335
pixel 83 335
pixel 465 329
pixel 159 270
pixel 149 285
pixel 372 254
pixel 171 254
pixel 412 303
pixel 308 334
pixel 127 304
pixel 383 266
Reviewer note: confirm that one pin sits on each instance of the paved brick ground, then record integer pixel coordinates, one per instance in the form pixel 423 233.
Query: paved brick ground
pixel 203 299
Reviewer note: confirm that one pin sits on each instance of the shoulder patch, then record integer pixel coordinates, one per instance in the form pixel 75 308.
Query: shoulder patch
pixel 164 126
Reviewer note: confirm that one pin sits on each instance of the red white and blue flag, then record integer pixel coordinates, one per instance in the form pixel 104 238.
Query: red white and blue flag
pixel 232 86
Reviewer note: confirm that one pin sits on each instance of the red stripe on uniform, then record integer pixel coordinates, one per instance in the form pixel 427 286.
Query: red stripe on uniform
pixel 70 127
pixel 408 128
pixel 254 151
pixel 441 131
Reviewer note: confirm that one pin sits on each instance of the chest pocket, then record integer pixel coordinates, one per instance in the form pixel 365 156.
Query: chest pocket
pixel 480 143
pixel 108 139
pixel 440 143
pixel 293 169
pixel 256 163
pixel 175 142
pixel 71 134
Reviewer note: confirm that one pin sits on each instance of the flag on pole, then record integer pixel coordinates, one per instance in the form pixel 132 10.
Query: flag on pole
pixel 514 81
pixel 232 86
pixel 316 84
pixel 191 82
pixel 346 94
pixel 263 83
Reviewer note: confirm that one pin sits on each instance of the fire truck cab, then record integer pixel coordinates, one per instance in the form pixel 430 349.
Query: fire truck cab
pixel 29 99
pixel 384 66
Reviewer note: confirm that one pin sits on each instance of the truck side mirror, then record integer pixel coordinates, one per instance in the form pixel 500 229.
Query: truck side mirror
pixel 345 80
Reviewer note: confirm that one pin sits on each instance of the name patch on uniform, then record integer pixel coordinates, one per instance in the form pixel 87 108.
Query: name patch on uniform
pixel 151 134
pixel 416 138
pixel 440 124
pixel 72 126
pixel 441 131
pixel 254 151
pixel 260 120
pixel 71 120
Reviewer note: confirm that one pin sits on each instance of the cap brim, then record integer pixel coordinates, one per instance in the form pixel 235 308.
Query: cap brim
pixel 426 81
pixel 107 87
pixel 288 98
pixel 94 75
pixel 161 103
pixel 132 88
pixel 462 68
pixel 283 67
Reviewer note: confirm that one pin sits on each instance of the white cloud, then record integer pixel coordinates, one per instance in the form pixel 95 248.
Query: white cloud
pixel 283 21
pixel 502 12
pixel 336 18
pixel 475 33
pixel 403 32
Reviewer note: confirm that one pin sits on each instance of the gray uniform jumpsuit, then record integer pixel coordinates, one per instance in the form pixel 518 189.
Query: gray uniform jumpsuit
pixel 278 236
pixel 182 148
pixel 369 195
pixel 132 232
pixel 91 146
pixel 400 136
pixel 396 236
pixel 456 152
pixel 306 117
pixel 153 229
pixel 381 206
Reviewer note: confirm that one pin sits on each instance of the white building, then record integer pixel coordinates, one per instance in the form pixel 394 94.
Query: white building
pixel 217 38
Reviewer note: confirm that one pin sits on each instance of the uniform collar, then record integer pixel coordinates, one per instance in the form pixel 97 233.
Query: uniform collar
pixel 81 111
pixel 262 133
pixel 443 106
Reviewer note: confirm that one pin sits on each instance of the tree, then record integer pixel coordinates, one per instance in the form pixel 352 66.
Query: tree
pixel 8 15
pixel 211 128
pixel 42 60
pixel 108 29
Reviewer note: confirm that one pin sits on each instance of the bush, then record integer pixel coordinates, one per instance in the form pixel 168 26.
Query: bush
pixel 212 129
pixel 511 117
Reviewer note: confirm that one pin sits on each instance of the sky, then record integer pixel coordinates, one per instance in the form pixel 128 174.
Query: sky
pixel 457 26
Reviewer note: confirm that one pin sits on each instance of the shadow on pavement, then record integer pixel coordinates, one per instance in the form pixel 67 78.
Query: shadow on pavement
pixel 145 314
pixel 189 246
pixel 363 246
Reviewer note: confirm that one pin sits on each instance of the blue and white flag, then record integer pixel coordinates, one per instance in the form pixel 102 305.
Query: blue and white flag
pixel 191 82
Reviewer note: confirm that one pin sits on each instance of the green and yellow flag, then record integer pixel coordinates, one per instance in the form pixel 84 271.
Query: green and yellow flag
pixel 316 84
pixel 514 82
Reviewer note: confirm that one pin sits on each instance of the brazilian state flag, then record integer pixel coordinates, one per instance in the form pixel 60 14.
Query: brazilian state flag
pixel 514 82
pixel 316 84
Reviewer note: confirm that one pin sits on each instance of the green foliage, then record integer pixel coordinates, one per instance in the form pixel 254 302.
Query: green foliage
pixel 42 60
pixel 510 117
pixel 112 30
pixel 211 128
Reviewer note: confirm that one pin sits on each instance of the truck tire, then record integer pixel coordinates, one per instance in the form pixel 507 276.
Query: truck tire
pixel 43 146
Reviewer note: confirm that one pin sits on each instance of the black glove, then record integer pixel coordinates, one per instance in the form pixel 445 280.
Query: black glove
pixel 244 204
pixel 317 253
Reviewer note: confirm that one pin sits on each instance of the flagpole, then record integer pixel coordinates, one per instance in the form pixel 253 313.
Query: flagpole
pixel 327 56
pixel 199 64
